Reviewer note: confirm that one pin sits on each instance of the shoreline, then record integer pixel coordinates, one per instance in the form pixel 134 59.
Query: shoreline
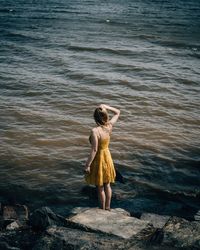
pixel 146 202
pixel 94 228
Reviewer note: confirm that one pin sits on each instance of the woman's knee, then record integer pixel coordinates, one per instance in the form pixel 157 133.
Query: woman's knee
pixel 106 185
pixel 100 188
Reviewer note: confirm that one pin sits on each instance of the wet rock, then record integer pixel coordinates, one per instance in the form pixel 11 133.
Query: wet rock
pixel 44 217
pixel 6 246
pixel 17 212
pixel 22 212
pixel 95 228
pixel 113 222
pixel 158 221
pixel 13 226
pixel 10 214
pixel 67 238
pixel 17 239
pixel 181 233
pixel 197 216
pixel 5 223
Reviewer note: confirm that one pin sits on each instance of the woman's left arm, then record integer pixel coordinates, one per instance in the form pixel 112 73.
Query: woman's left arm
pixel 93 151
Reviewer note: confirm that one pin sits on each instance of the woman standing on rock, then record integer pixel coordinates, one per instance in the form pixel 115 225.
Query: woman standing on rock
pixel 99 167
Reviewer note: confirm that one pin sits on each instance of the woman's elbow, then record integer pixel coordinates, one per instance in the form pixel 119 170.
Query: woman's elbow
pixel 118 112
pixel 94 150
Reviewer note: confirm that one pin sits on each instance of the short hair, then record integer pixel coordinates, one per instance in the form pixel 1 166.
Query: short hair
pixel 101 116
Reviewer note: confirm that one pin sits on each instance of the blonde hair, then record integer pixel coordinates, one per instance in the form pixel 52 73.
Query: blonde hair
pixel 101 116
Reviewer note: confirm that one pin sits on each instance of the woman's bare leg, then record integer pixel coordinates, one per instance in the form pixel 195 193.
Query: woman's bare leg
pixel 101 196
pixel 108 192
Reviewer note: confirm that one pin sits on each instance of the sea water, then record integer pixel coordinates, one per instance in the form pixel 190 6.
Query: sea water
pixel 60 59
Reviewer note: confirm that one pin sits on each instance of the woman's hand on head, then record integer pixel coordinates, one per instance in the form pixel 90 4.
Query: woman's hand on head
pixel 102 106
pixel 114 110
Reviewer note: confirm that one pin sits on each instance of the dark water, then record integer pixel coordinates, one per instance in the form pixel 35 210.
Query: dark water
pixel 60 59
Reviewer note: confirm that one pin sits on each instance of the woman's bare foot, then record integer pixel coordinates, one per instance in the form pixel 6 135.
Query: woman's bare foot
pixel 108 209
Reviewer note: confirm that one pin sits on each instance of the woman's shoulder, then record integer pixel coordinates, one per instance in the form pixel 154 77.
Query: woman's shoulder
pixel 94 131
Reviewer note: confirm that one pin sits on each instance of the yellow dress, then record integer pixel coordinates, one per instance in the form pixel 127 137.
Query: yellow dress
pixel 102 168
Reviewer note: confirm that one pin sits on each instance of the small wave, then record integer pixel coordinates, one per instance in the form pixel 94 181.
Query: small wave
pixel 154 189
pixel 115 22
pixel 182 194
pixel 102 49
pixel 185 81
pixel 6 10
pixel 21 36
pixel 177 44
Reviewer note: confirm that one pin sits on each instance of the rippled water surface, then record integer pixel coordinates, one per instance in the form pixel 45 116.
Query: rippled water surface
pixel 60 59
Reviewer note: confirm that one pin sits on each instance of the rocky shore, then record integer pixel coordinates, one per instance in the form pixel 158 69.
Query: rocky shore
pixel 93 228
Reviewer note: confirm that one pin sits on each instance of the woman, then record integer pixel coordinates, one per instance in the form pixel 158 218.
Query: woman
pixel 99 167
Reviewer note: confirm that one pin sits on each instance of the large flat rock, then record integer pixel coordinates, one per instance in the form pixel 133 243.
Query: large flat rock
pixel 115 222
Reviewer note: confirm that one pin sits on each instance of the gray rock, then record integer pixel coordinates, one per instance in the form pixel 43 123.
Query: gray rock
pixel 9 213
pixel 78 210
pixel 121 211
pixel 17 239
pixel 22 212
pixel 67 238
pixel 181 233
pixel 44 217
pixel 13 226
pixel 12 214
pixel 6 246
pixel 158 221
pixel 110 230
pixel 197 216
pixel 113 222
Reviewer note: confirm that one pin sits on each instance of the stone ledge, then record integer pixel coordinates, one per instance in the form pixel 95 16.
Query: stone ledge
pixel 113 222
